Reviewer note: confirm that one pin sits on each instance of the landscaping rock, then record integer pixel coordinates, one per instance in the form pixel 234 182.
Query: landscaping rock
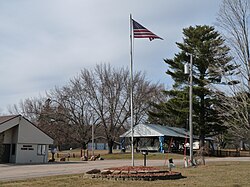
pixel 105 172
pixel 93 171
pixel 116 172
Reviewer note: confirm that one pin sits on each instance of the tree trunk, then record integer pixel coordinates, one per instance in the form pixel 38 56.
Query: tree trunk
pixel 110 146
pixel 84 145
pixel 202 150
pixel 202 140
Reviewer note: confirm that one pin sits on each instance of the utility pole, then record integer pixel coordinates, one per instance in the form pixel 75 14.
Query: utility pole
pixel 188 69
pixel 93 140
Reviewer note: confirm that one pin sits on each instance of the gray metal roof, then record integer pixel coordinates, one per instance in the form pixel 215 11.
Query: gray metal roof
pixel 151 130
pixel 3 119
pixel 155 130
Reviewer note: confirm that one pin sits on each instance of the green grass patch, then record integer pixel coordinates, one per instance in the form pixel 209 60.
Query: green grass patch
pixel 224 174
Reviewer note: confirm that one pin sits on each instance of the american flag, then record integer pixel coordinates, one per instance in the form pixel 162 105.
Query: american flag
pixel 141 32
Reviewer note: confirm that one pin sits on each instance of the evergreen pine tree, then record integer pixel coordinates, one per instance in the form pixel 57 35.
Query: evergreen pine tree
pixel 211 62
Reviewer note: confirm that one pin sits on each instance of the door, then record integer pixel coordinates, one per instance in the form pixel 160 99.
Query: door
pixel 4 153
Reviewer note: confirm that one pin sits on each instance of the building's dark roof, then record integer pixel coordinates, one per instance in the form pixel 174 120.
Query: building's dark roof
pixel 4 119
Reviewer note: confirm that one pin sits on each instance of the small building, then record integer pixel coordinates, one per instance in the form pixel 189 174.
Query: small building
pixel 154 137
pixel 98 146
pixel 22 142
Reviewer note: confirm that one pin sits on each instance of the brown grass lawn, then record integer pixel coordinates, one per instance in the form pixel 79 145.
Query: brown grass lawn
pixel 235 174
pixel 116 155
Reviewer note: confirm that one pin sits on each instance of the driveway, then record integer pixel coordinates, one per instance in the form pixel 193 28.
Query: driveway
pixel 15 172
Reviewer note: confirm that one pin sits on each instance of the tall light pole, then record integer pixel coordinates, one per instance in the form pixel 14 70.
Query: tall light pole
pixel 189 70
pixel 93 140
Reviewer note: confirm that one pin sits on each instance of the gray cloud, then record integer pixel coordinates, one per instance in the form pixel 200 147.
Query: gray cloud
pixel 44 43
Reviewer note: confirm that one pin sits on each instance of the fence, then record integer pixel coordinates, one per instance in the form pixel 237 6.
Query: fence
pixel 231 153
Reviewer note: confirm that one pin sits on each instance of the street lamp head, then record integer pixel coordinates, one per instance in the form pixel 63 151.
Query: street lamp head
pixel 186 69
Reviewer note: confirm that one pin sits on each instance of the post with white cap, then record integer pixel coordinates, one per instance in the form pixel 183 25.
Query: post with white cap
pixel 188 69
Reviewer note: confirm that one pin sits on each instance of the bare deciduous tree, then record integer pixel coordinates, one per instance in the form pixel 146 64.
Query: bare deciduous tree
pixel 108 95
pixel 71 106
pixel 234 110
pixel 30 108
pixel 234 19
pixel 97 98
pixel 39 111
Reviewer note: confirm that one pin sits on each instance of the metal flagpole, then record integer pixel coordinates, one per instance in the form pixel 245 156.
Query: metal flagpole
pixel 138 32
pixel 131 90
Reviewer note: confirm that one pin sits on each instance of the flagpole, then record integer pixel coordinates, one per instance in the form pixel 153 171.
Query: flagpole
pixel 131 90
pixel 136 31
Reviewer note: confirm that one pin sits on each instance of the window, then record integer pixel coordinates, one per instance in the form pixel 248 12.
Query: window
pixel 27 147
pixel 41 149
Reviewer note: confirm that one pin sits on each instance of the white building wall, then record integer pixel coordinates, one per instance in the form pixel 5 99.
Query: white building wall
pixel 28 153
pixel 8 137
pixel 15 134
pixel 25 138
pixel 28 133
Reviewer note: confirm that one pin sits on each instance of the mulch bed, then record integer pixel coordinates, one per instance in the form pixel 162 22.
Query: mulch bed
pixel 134 168
pixel 135 173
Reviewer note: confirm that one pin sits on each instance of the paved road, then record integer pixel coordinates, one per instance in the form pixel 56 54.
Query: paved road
pixel 15 172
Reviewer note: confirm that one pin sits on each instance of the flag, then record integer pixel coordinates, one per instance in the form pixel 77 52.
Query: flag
pixel 141 32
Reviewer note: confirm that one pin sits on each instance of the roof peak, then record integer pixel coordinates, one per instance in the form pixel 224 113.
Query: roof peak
pixel 5 118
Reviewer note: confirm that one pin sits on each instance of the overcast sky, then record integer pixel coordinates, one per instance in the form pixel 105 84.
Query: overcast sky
pixel 45 43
